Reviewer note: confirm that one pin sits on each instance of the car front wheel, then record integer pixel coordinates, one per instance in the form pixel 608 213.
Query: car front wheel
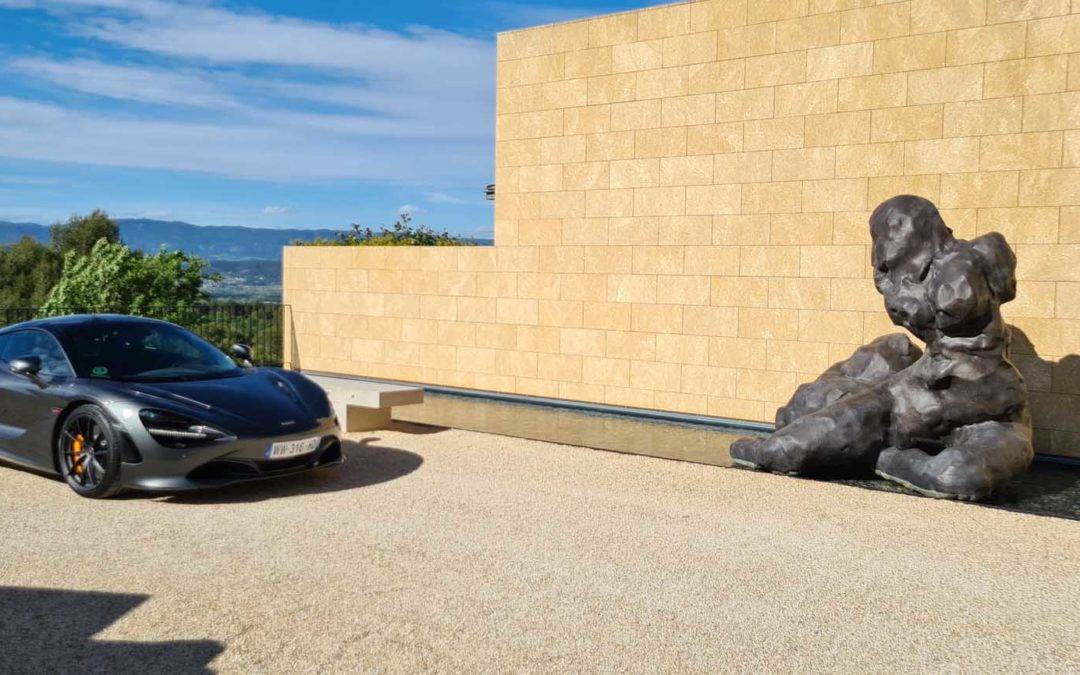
pixel 88 453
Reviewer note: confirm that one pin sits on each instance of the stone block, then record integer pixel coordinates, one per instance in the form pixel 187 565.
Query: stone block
pixel 743 167
pixel 960 83
pixel 775 69
pixel 986 43
pixel 842 128
pixel 682 50
pixel 811 98
pixel 907 124
pixel 808 32
pixel 911 53
pixel 982 118
pixel 746 104
pixel 713 199
pixel 669 142
pixel 872 91
pixel 877 159
pixel 733 291
pixel 970 190
pixel 867 24
pixel 1022 77
pixel 768 324
pixel 743 41
pixel 648 318
pixel 804 164
pixel 1021 151
pixel 611 89
pixel 685 111
pixel 683 289
pixel 831 63
pixel 772 198
pixel 694 170
pixel 935 15
pixel 730 352
pixel 774 134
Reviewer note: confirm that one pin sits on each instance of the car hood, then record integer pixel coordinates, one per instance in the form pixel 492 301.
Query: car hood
pixel 258 402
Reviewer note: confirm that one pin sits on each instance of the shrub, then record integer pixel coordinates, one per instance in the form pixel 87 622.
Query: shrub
pixel 403 233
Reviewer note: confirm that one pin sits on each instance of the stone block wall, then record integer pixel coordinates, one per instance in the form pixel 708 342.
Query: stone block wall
pixel 682 197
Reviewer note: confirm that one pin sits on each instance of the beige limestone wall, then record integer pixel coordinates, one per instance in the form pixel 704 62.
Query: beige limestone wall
pixel 682 203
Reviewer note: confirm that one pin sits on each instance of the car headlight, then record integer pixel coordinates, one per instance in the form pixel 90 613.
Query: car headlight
pixel 177 431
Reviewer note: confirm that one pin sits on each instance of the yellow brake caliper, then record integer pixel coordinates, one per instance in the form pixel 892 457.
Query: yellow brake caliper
pixel 76 453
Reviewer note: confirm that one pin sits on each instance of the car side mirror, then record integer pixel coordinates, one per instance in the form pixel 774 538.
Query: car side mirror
pixel 26 365
pixel 244 354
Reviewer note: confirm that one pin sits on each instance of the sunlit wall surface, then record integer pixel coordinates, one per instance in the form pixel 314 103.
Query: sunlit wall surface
pixel 682 196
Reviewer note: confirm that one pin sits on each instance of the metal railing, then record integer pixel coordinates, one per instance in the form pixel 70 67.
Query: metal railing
pixel 260 325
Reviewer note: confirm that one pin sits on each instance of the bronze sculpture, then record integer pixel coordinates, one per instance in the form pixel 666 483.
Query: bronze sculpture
pixel 951 421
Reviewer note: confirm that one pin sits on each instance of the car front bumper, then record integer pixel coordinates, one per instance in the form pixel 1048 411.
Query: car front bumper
pixel 234 461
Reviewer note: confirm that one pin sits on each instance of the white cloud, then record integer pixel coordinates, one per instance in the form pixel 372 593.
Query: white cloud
pixel 444 198
pixel 411 210
pixel 276 210
pixel 258 96
pixel 151 85
pixel 252 150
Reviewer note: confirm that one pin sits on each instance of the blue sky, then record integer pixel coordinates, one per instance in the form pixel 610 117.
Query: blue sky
pixel 302 113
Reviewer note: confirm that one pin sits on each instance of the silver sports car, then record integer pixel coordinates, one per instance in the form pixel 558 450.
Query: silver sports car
pixel 111 402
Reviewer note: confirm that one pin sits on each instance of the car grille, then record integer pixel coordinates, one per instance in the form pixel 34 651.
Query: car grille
pixel 240 469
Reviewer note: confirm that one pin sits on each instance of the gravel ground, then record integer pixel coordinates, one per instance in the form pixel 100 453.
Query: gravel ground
pixel 457 551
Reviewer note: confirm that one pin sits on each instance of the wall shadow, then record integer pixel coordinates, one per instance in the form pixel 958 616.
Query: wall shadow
pixel 365 464
pixel 416 428
pixel 51 630
pixel 1054 387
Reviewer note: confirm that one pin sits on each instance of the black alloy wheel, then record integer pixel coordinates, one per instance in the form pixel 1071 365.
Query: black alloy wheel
pixel 88 453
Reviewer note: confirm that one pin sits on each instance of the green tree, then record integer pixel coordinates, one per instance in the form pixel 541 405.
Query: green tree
pixel 113 278
pixel 28 271
pixel 403 233
pixel 80 233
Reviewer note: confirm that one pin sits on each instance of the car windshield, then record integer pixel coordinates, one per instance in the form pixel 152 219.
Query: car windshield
pixel 142 351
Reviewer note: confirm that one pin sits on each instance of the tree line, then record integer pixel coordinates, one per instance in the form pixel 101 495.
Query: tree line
pixel 85 266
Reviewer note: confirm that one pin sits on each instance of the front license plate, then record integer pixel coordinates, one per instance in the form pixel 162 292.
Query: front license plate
pixel 285 449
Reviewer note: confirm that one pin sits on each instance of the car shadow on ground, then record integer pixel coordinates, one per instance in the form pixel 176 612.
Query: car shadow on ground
pixel 366 464
pixel 51 630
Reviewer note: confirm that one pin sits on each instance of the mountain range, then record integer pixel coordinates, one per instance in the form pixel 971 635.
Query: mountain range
pixel 211 243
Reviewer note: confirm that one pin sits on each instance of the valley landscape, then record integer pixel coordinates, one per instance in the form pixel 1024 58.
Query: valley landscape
pixel 248 259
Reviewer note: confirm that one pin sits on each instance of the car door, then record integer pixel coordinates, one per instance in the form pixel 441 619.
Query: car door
pixel 29 405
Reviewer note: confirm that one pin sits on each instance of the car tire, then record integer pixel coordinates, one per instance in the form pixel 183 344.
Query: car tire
pixel 88 452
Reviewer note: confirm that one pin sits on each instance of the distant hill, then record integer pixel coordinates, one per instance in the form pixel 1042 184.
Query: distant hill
pixel 248 259
pixel 12 232
pixel 247 280
pixel 212 243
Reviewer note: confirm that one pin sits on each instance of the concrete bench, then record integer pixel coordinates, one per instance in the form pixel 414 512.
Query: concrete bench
pixel 363 405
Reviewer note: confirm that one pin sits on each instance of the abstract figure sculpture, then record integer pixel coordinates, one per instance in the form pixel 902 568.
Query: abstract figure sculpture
pixel 948 422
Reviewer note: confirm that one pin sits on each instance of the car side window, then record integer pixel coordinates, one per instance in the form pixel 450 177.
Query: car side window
pixel 40 344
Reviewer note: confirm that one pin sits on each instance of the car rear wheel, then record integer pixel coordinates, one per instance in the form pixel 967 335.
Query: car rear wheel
pixel 88 452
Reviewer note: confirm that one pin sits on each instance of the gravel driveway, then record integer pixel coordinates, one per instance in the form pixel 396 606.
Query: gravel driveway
pixel 458 551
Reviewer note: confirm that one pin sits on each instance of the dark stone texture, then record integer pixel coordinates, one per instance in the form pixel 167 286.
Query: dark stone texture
pixel 950 421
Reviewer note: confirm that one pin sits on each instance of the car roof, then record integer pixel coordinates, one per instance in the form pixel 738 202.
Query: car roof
pixel 55 323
